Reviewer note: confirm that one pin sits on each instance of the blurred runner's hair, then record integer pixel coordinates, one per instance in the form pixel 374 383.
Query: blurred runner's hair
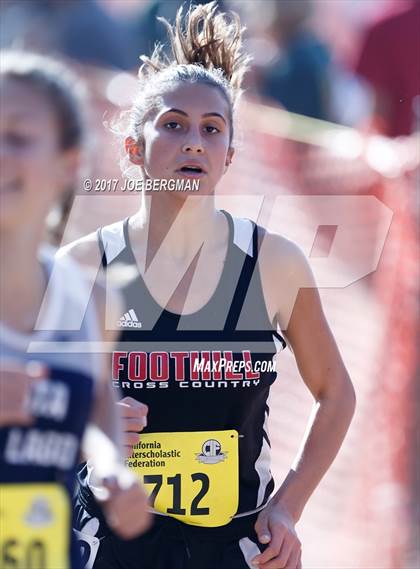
pixel 66 94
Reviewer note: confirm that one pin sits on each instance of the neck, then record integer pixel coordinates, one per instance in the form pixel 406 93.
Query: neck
pixel 175 226
pixel 22 282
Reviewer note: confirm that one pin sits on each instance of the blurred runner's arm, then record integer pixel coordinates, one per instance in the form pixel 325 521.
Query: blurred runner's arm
pixel 284 268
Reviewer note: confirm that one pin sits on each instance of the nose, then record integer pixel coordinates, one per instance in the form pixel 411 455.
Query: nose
pixel 192 148
pixel 189 147
pixel 193 145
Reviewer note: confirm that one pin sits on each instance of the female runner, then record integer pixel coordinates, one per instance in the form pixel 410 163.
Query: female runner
pixel 199 328
pixel 45 407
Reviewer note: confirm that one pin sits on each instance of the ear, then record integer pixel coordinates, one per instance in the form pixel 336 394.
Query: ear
pixel 134 150
pixel 229 157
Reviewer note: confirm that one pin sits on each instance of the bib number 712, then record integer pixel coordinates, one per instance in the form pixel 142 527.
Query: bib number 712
pixel 176 482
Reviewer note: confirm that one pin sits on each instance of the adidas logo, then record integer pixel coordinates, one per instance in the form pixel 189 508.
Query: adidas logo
pixel 129 320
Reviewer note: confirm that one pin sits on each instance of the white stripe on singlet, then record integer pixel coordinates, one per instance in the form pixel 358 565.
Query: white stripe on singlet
pixel 262 465
pixel 113 240
pixel 243 231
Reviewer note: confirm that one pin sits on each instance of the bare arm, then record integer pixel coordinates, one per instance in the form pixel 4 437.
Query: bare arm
pixel 295 302
pixel 124 500
pixel 323 371
pixel 101 298
pixel 132 413
pixel 104 413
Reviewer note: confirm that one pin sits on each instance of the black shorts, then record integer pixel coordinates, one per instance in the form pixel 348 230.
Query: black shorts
pixel 169 544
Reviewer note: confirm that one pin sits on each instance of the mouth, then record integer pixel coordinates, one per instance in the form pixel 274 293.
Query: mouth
pixel 191 171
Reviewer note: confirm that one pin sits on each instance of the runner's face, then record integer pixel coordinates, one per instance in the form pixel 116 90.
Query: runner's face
pixel 33 168
pixel 192 128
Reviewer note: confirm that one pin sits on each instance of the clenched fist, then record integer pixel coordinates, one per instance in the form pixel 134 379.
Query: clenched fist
pixel 134 419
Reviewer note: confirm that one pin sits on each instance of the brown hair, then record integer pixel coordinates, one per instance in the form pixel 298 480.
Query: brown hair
pixel 206 48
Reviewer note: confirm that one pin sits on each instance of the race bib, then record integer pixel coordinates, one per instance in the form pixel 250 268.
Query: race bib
pixel 192 476
pixel 34 526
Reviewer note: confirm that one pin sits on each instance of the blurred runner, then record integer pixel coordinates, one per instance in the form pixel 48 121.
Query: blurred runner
pixel 205 295
pixel 48 393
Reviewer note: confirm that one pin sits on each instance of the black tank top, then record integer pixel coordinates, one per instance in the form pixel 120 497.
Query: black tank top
pixel 172 362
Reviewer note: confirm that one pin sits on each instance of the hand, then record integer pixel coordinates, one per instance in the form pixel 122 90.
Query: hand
pixel 275 526
pixel 134 418
pixel 126 509
pixel 16 384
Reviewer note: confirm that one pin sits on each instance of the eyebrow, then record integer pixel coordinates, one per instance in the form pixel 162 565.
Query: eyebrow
pixel 186 114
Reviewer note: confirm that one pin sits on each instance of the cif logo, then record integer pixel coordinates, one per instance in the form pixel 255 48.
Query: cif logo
pixel 211 452
pixel 211 448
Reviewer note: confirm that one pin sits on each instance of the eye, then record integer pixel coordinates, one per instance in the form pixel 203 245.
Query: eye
pixel 172 125
pixel 17 140
pixel 210 129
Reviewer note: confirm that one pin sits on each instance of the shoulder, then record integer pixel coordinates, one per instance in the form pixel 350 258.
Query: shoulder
pixel 281 258
pixel 284 270
pixel 86 254
pixel 85 251
pixel 89 250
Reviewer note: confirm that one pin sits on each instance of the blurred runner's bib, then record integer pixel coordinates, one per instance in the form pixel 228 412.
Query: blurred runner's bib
pixel 34 526
pixel 192 476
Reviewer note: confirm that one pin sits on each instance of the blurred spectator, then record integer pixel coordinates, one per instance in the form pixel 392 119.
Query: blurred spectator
pixel 390 62
pixel 79 29
pixel 298 76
